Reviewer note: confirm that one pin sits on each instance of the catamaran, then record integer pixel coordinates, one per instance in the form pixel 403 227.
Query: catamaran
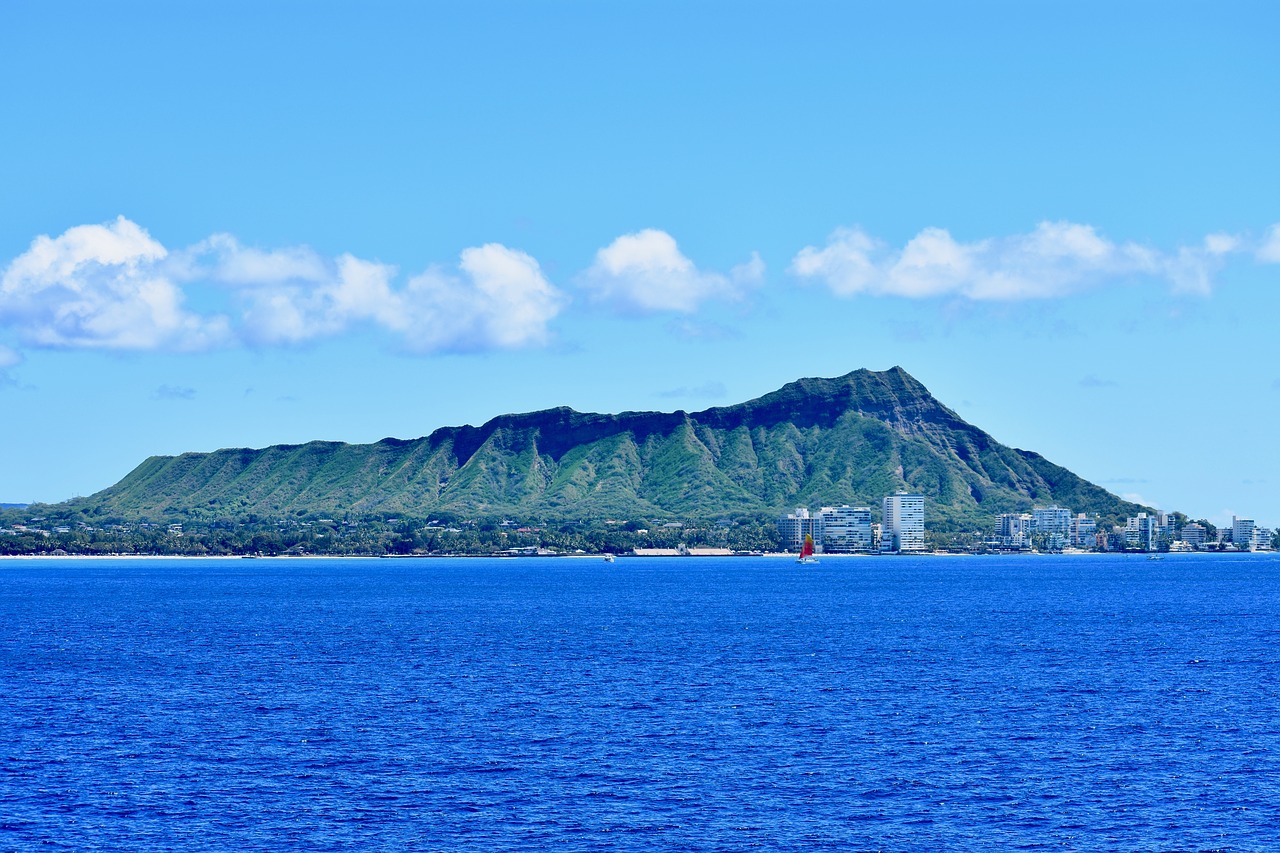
pixel 806 551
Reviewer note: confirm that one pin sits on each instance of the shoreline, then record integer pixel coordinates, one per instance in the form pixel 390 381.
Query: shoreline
pixel 775 555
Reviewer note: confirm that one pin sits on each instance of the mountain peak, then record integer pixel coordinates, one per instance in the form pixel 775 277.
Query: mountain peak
pixel 892 396
pixel 849 439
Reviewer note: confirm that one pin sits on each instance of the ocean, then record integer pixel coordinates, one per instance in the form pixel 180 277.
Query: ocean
pixel 720 704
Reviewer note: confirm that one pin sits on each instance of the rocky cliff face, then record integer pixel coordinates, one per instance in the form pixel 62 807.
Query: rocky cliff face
pixel 851 439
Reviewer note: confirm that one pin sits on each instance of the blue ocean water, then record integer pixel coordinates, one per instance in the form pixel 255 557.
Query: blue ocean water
pixel 895 703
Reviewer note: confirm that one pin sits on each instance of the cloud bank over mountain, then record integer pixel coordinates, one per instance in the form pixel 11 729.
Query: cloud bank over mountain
pixel 113 286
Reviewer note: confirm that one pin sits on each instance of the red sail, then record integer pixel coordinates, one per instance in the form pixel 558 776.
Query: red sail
pixel 806 550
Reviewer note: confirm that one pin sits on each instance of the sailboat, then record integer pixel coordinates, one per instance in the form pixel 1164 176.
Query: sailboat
pixel 806 551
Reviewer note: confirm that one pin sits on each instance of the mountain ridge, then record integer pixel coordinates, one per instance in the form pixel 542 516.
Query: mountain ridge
pixel 817 441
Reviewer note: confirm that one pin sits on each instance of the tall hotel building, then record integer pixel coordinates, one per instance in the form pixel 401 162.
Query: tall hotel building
pixel 903 527
pixel 793 527
pixel 847 529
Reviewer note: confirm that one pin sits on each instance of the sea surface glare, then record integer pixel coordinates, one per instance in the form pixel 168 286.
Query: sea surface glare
pixel 719 704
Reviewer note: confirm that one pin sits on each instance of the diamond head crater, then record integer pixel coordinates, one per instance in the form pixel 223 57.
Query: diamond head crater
pixel 562 481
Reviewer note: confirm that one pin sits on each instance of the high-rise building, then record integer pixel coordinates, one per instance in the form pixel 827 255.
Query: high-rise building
pixel 903 525
pixel 1054 523
pixel 846 529
pixel 1013 531
pixel 1084 531
pixel 1194 534
pixel 1242 533
pixel 794 526
pixel 1141 531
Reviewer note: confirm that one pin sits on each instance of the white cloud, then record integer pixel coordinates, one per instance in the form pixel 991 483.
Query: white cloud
pixel 101 286
pixel 1269 251
pixel 113 286
pixel 1056 259
pixel 1221 244
pixel 333 297
pixel 646 272
pixel 500 300
pixel 223 258
pixel 497 299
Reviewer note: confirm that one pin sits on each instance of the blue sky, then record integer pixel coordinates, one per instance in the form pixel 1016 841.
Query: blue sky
pixel 240 224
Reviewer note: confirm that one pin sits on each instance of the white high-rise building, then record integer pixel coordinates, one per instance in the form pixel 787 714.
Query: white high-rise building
pixel 1054 523
pixel 846 529
pixel 903 526
pixel 1013 531
pixel 1051 519
pixel 1242 533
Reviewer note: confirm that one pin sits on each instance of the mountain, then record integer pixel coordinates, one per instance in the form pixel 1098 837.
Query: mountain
pixel 849 440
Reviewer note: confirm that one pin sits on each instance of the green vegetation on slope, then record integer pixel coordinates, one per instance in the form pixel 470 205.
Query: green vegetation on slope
pixel 849 440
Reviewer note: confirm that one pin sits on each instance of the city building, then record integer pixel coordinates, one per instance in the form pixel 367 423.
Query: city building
pixel 1242 530
pixel 1084 531
pixel 1013 532
pixel 847 529
pixel 902 527
pixel 1142 532
pixel 793 527
pixel 1194 534
pixel 1054 524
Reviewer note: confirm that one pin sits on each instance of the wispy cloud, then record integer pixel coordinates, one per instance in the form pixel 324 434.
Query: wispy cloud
pixel 709 391
pixel 1269 249
pixel 1056 259
pixel 174 392
pixel 8 358
pixel 691 329
pixel 113 286
pixel 646 272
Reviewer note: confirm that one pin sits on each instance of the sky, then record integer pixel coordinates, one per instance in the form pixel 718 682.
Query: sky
pixel 240 224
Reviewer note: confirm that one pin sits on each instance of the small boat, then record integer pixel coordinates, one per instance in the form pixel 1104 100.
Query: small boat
pixel 806 551
pixel 608 558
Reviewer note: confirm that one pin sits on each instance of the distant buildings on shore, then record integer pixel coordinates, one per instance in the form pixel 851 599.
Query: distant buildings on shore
pixel 1054 528
pixel 851 529
pixel 900 530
